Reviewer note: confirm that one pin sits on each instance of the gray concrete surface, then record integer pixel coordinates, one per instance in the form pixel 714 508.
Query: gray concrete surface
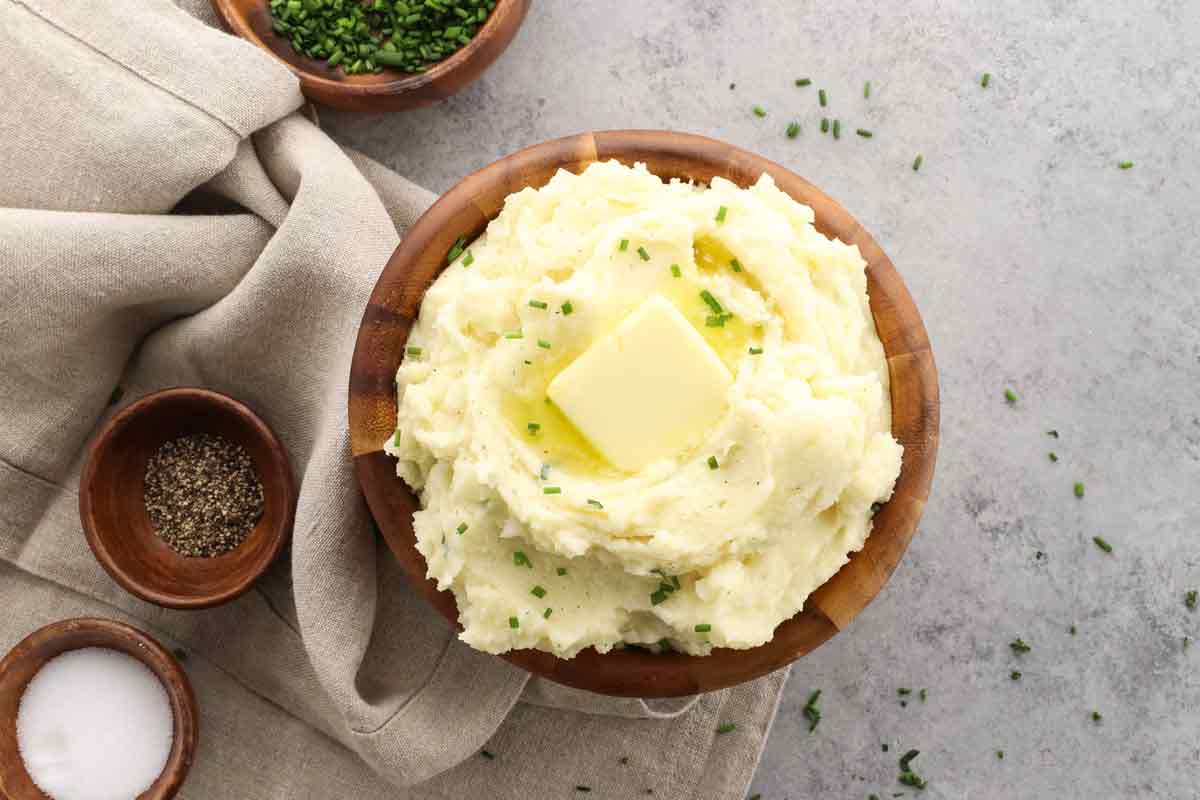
pixel 1038 265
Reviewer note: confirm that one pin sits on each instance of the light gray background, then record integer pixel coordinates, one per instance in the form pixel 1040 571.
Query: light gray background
pixel 1037 264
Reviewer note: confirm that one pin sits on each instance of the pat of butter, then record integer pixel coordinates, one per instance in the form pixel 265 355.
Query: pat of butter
pixel 648 390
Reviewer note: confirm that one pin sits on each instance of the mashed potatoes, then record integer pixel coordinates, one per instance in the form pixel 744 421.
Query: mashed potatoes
pixel 757 499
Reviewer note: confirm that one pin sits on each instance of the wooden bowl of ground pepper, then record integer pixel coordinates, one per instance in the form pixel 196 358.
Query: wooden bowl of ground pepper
pixel 378 55
pixel 186 498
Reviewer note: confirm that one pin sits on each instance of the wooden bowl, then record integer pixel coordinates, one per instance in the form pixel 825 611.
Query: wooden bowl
pixel 113 512
pixel 24 660
pixel 390 90
pixel 465 211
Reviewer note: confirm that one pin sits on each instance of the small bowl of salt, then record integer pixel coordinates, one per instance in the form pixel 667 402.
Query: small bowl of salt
pixel 92 709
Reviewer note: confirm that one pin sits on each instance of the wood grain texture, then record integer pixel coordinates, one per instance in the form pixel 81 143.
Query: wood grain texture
pixel 113 512
pixel 465 211
pixel 23 662
pixel 390 90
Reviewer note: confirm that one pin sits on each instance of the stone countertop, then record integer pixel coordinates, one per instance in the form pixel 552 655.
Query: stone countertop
pixel 1038 265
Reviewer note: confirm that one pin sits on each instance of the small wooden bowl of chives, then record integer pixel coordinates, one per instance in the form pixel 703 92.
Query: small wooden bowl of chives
pixel 32 653
pixel 464 212
pixel 112 507
pixel 391 89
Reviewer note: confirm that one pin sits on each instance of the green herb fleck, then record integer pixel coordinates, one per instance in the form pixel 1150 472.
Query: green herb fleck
pixel 912 779
pixel 812 712
pixel 1010 396
pixel 735 265
pixel 1190 599
pixel 1102 544
pixel 923 694
pixel 641 251
pixel 462 528
pixel 514 335
pixel 657 597
pixel 468 260
pixel 1073 630
pixel 538 592
pixel 567 308
pixel 793 129
pixel 595 504
pixel 542 343
pixel 803 81
pixel 837 129
pixel 863 132
pixel 1052 456
pixel 521 560
pixel 755 351
pixel 551 490
pixel 721 212
pixel 1052 434
pixel 624 245
pixel 413 351
pixel 1019 646
pixel 985 80
pixel 759 111
pixel 822 98
pixel 561 570
pixel 726 727
pixel 907 759
pixel 546 614
pixel 712 462
pixel 533 427
pixel 917 162
pixel 1125 165
pixel 824 124
pixel 396 438
pixel 486 754
pixel 711 302
pixel 903 690
pixel 866 90
pixel 1096 716
pixel 513 622
pixel 537 304
pixel 456 249
pixel 675 270
pixel 1016 675
pixel 1000 754
pixel 703 627
pixel 1079 488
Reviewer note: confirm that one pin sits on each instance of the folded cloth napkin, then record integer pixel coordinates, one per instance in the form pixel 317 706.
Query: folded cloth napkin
pixel 168 217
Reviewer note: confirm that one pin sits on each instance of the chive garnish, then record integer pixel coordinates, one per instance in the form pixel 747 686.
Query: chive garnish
pixel 917 162
pixel 1096 717
pixel 822 98
pixel 413 351
pixel 538 592
pixel 712 462
pixel 907 759
pixel 533 427
pixel 1125 165
pixel 396 438
pixel 912 779
pixel 567 308
pixel 863 132
pixel 462 528
pixel 657 597
pixel 1102 543
pixel 1010 396
pixel 985 80
pixel 759 111
pixel 711 302
pixel 514 335
pixel 703 628
pixel 1078 488
pixel 866 90
pixel 468 260
pixel 521 560
pixel 537 304
pixel 824 124
pixel 1019 646
pixel 715 321
pixel 923 694
pixel 1073 630
pixel 546 614
pixel 542 343
pixel 1000 754
pixel 813 714
pixel 1190 599
pixel 561 570
pixel 803 81
pixel 726 727
pixel 721 212
pixel 456 250
pixel 1052 434
pixel 624 245
pixel 675 270
pixel 551 490
pixel 903 690
pixel 793 130
pixel 1016 675
pixel 513 622
pixel 755 351
pixel 735 265
pixel 644 255
pixel 837 129
pixel 595 504
pixel 1052 456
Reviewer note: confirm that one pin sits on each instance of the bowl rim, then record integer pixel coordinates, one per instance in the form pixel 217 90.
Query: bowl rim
pixel 129 415
pixel 160 661
pixel 371 86
pixel 395 303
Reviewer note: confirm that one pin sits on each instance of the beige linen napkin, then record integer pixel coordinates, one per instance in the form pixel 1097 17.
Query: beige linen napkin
pixel 122 126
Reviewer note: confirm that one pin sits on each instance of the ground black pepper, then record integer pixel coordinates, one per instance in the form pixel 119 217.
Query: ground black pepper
pixel 202 494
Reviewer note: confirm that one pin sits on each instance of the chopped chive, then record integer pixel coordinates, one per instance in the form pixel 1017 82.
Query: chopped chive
pixel 1052 434
pixel 657 597
pixel 712 462
pixel 1078 488
pixel 755 351
pixel 595 504
pixel 413 351
pixel 1125 165
pixel 542 343
pixel 907 759
pixel 1073 630
pixel 644 255
pixel 837 129
pixel 759 111
pixel 703 628
pixel 456 249
pixel 885 747
pixel 715 321
pixel 1000 754
pixel 462 528
pixel 514 335
pixel 396 438
pixel 486 754
pixel 985 80
pixel 521 560
pixel 912 779
pixel 711 302
pixel 567 308
pixel 551 490
pixel 624 245
pixel 538 592
pixel 561 570
pixel 917 162
pixel 735 265
pixel 903 690
pixel 813 713
pixel 824 124
pixel 468 260
pixel 866 90
pixel 793 130
pixel 822 98
pixel 726 727
pixel 863 132
pixel 923 694
pixel 533 427
pixel 513 622
pixel 546 614
pixel 665 644
pixel 537 304
pixel 1016 675
pixel 675 270
pixel 1010 396
pixel 675 582
pixel 1190 599
pixel 1019 646
pixel 1102 543
pixel 1052 456
pixel 803 81
pixel 1096 717
pixel 721 212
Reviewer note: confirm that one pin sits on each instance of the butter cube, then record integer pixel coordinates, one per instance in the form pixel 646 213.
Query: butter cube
pixel 650 389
